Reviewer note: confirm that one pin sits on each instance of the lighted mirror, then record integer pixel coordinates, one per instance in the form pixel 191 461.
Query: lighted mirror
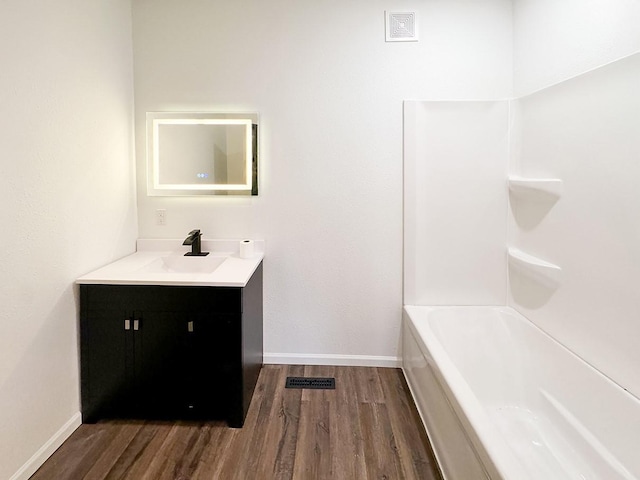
pixel 202 153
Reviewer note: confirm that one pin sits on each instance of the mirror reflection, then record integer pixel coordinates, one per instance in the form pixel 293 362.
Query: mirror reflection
pixel 202 154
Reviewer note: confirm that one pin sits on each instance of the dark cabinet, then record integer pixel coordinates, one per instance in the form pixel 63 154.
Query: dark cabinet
pixel 170 352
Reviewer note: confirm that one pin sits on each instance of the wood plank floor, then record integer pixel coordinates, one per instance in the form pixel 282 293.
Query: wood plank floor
pixel 367 428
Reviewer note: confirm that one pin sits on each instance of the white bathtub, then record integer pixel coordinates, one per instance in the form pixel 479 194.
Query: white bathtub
pixel 500 399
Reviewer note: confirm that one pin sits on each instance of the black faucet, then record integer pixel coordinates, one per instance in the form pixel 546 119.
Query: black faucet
pixel 196 246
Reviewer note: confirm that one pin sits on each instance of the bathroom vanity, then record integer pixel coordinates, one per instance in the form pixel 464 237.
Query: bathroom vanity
pixel 179 342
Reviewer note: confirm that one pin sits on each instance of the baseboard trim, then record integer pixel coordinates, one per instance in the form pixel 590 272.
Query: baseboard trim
pixel 41 456
pixel 335 360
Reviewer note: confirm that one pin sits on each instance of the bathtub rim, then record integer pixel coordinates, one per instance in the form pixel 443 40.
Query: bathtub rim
pixel 495 455
pixel 417 395
pixel 417 316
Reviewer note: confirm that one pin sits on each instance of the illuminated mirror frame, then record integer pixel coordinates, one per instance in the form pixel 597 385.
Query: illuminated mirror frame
pixel 156 119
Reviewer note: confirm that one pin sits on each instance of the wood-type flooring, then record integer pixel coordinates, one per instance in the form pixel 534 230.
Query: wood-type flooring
pixel 365 429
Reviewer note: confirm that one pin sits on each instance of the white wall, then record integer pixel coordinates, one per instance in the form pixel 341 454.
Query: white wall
pixel 557 39
pixel 67 198
pixel 329 91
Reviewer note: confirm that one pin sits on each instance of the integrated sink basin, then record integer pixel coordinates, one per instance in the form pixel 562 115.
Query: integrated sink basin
pixel 178 263
pixel 162 262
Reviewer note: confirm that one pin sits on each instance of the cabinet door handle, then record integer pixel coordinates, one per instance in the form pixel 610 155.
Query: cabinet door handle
pixel 136 324
pixel 127 324
pixel 190 326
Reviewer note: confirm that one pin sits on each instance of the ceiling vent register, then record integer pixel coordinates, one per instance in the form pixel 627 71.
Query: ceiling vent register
pixel 401 27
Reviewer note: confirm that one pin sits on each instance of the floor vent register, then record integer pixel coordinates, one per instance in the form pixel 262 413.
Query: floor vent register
pixel 328 383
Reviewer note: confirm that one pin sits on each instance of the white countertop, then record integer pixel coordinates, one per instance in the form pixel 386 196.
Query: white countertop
pixel 141 268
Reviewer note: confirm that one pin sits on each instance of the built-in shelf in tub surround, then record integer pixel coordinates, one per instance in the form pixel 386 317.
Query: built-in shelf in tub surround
pixel 535 186
pixel 540 270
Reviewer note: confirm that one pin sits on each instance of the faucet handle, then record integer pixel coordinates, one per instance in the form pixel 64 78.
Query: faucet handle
pixel 195 241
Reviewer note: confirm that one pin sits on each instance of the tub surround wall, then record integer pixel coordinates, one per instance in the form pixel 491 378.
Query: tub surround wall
pixel 455 160
pixel 586 132
pixel 68 203
pixel 329 92
pixel 573 254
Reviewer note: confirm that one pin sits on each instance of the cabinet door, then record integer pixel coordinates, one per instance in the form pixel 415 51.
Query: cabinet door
pixel 161 364
pixel 108 368
pixel 211 378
